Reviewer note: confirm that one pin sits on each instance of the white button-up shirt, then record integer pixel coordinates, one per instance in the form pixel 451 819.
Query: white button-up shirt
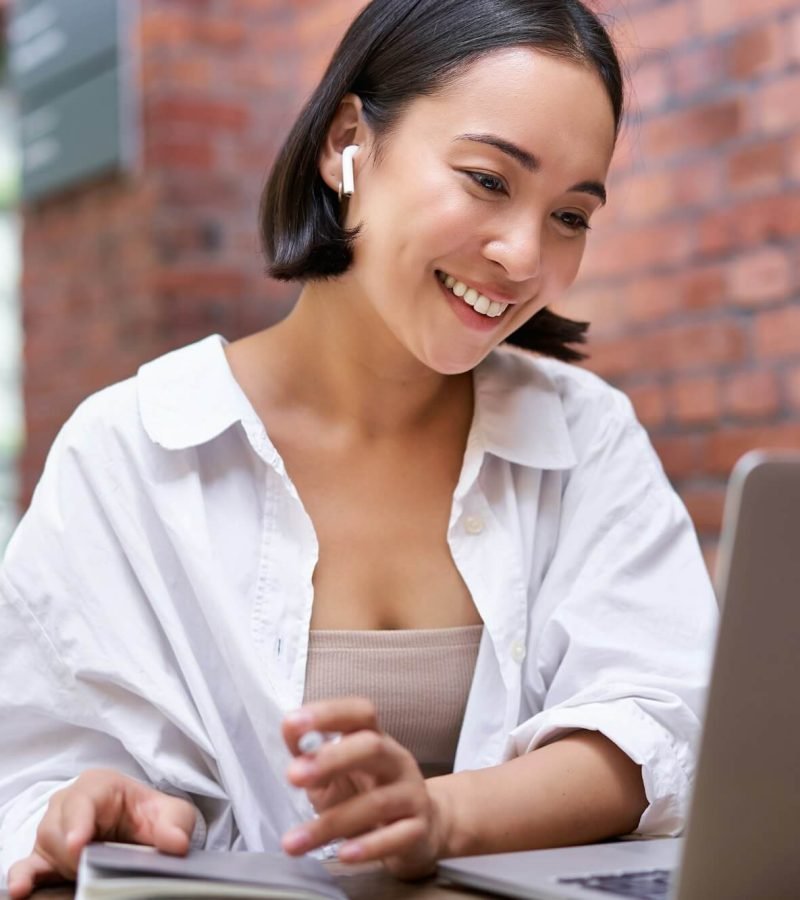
pixel 155 600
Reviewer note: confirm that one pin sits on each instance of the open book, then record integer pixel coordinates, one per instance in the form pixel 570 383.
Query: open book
pixel 132 872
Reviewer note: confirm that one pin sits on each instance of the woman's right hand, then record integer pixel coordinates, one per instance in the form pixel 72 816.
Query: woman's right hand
pixel 100 805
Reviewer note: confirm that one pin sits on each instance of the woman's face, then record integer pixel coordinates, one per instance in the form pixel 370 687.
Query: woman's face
pixel 473 215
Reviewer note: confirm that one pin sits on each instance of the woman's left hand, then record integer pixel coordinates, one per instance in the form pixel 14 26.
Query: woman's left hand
pixel 366 788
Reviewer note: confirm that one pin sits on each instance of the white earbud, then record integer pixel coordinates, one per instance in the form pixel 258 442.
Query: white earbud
pixel 348 183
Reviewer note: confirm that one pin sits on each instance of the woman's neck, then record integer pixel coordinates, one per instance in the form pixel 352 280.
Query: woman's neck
pixel 341 363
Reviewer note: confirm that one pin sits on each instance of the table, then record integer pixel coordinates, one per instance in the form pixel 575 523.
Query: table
pixel 367 881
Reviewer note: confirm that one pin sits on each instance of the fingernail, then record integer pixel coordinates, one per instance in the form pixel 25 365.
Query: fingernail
pixel 351 851
pixel 302 768
pixel 297 839
pixel 300 718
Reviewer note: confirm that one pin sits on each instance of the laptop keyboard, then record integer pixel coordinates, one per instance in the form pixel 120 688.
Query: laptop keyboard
pixel 651 885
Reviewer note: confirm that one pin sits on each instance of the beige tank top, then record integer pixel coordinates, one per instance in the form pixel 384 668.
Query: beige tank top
pixel 418 679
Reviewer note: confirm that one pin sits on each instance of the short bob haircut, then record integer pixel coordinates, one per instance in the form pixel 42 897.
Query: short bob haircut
pixel 395 51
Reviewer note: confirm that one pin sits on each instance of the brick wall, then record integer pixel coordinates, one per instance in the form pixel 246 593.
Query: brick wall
pixel 121 270
pixel 692 274
pixel 691 278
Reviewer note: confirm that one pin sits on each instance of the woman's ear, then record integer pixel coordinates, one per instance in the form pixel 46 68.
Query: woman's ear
pixel 347 128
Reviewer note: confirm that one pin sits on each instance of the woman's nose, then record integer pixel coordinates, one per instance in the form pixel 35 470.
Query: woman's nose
pixel 519 251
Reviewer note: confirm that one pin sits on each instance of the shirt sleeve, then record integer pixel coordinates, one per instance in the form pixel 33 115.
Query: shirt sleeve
pixel 72 695
pixel 623 624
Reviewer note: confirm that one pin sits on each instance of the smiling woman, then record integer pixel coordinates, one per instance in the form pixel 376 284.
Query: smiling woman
pixel 374 519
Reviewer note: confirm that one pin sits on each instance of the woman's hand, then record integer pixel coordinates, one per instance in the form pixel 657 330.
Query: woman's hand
pixel 365 787
pixel 100 805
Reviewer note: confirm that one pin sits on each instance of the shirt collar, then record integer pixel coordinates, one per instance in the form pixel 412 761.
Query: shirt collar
pixel 189 396
pixel 519 413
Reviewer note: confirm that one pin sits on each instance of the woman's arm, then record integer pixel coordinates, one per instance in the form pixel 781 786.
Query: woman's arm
pixel 579 789
pixel 368 789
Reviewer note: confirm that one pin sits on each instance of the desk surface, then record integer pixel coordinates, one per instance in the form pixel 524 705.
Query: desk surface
pixel 363 882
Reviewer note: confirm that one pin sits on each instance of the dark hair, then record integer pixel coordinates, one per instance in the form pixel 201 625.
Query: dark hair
pixel 395 51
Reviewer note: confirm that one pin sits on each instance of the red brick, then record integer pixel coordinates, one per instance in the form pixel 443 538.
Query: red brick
pixel 793 387
pixel 720 15
pixel 645 196
pixel 600 306
pixel 752 395
pixel 697 70
pixel 757 51
pixel 750 222
pixel 612 358
pixel 681 455
pixel 650 404
pixel 763 276
pixel 662 27
pixel 761 167
pixel 777 333
pixel 794 157
pixel 794 38
pixel 695 401
pixel 218 33
pixel 775 107
pixel 703 288
pixel 174 154
pixel 638 249
pixel 207 114
pixel 697 184
pixel 651 87
pixel 698 128
pixel 685 347
pixel 705 507
pixel 162 27
pixel 217 283
pixel 194 73
pixel 726 445
pixel 651 299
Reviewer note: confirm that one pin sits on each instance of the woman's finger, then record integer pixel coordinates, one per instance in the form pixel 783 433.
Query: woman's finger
pixel 356 816
pixel 76 827
pixel 343 714
pixel 29 873
pixel 365 751
pixel 403 847
pixel 158 819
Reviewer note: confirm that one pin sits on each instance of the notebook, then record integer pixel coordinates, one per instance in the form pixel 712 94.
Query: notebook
pixel 133 872
pixel 741 842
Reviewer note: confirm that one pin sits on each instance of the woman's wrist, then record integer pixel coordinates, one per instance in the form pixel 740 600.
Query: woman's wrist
pixel 454 831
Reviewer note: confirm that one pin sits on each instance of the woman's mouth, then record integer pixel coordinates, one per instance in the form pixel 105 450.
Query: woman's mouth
pixel 479 303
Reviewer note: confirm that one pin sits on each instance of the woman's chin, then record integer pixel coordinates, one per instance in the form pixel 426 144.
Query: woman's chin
pixel 448 363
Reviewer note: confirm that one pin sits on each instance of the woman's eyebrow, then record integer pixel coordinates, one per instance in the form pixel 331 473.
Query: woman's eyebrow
pixel 531 163
pixel 527 160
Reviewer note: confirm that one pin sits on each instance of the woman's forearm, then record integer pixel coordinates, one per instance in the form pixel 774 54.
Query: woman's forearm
pixel 579 789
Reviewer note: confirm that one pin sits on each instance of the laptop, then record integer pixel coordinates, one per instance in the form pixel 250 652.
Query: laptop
pixel 742 840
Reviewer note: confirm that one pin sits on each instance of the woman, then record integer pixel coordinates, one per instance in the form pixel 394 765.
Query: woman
pixel 372 497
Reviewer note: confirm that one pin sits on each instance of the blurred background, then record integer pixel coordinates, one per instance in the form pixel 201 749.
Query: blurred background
pixel 135 136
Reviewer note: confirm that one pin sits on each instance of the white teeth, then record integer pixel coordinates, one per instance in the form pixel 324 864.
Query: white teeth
pixel 483 304
pixel 495 309
pixel 480 303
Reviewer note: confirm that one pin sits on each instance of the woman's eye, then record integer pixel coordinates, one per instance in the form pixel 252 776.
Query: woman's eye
pixel 573 221
pixel 491 183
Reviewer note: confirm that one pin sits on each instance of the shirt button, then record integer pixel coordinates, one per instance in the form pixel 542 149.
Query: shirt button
pixel 518 651
pixel 473 524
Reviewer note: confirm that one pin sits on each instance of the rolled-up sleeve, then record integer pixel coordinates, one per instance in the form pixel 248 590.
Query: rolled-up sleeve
pixel 623 622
